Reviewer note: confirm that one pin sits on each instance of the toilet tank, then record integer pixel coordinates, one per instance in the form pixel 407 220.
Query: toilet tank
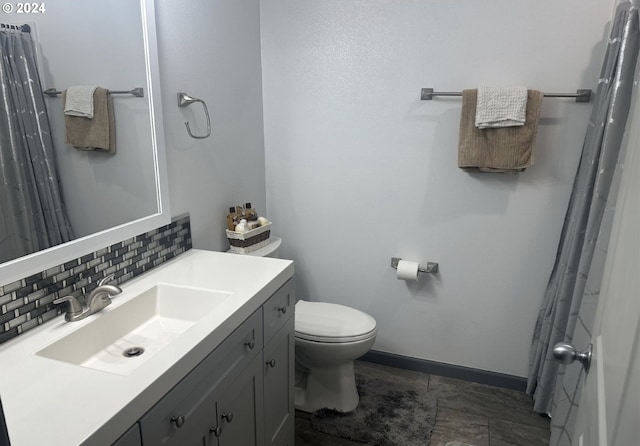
pixel 271 250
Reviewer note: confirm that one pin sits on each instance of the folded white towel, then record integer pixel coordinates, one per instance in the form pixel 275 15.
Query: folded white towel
pixel 501 106
pixel 79 101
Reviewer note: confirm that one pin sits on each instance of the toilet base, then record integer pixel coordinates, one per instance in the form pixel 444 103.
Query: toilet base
pixel 332 388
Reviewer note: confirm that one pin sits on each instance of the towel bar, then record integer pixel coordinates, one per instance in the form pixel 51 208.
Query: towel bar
pixel 427 94
pixel 138 92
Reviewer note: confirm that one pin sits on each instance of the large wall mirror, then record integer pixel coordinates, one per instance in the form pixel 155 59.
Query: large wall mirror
pixel 106 197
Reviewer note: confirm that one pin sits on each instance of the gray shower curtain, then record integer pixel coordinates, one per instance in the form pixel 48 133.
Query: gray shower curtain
pixel 32 213
pixel 560 309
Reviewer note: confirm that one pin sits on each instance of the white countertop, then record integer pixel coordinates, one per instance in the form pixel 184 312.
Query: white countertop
pixel 54 403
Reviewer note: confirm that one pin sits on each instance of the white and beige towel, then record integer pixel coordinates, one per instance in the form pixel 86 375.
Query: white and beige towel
pixel 98 133
pixel 499 106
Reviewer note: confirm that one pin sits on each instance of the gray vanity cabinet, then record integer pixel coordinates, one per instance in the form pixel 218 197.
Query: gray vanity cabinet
pixel 241 394
pixel 187 415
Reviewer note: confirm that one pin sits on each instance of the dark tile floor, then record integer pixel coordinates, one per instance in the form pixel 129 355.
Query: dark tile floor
pixel 468 413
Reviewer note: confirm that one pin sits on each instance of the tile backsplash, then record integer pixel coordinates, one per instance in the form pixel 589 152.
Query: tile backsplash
pixel 28 302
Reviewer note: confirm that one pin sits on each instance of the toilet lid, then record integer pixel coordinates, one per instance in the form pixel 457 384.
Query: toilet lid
pixel 326 322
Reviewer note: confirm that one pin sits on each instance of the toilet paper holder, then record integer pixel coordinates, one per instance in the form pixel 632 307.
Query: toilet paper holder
pixel 431 268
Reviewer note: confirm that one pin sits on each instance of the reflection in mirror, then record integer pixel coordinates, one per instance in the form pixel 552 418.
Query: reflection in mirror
pixel 52 193
pixel 32 212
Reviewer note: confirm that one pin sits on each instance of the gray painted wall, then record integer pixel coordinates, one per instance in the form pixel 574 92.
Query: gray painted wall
pixel 360 170
pixel 211 50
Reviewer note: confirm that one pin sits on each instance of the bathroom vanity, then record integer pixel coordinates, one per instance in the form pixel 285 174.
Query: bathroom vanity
pixel 224 376
pixel 240 389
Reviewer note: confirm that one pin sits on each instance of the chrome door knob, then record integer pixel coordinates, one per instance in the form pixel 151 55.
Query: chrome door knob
pixel 567 353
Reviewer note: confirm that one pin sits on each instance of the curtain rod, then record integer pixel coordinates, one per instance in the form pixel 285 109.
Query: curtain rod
pixel 24 28
pixel 427 94
pixel 138 92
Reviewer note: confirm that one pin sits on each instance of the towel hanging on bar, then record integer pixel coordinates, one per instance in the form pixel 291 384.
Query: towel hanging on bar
pixel 497 150
pixel 427 94
pixel 137 92
pixel 97 134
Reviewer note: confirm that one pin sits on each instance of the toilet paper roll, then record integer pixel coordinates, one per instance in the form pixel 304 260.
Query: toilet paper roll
pixel 407 270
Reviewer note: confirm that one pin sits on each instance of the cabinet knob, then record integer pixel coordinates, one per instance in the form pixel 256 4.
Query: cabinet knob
pixel 250 344
pixel 178 421
pixel 216 431
pixel 228 417
pixel 283 309
pixel 271 363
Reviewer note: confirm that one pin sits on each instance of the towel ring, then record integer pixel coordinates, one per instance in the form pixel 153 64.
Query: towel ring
pixel 185 100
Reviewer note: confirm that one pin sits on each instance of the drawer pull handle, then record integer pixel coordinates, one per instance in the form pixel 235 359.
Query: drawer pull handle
pixel 178 421
pixel 228 417
pixel 271 363
pixel 216 431
pixel 283 309
pixel 250 344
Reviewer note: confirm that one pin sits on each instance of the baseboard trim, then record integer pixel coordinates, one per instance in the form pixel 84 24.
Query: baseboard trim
pixel 449 370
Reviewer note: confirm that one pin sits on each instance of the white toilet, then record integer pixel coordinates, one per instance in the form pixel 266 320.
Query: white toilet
pixel 328 337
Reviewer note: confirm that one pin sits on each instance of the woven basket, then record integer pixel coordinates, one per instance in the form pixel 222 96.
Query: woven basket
pixel 243 243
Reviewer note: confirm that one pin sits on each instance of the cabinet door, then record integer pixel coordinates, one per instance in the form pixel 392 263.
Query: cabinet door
pixel 190 424
pixel 130 438
pixel 186 415
pixel 239 421
pixel 278 387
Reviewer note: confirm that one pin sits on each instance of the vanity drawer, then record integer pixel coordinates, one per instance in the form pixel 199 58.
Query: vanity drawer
pixel 278 309
pixel 191 403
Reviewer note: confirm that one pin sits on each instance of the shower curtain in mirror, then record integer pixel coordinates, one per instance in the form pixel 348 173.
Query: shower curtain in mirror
pixel 577 274
pixel 32 213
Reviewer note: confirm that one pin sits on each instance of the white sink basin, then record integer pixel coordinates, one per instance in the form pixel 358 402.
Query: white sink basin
pixel 149 322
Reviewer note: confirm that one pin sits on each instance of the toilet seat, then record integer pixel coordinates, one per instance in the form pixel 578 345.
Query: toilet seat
pixel 332 323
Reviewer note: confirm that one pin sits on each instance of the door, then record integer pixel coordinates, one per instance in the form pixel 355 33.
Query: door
pixel 609 413
pixel 279 375
pixel 239 407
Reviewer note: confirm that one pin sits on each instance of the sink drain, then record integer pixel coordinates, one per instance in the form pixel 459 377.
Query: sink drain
pixel 133 352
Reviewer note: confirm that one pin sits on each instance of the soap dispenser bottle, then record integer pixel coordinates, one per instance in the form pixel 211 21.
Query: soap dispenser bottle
pixel 232 219
pixel 249 213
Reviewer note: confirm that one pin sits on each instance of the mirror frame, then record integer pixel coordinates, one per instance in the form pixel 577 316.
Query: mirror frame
pixel 22 267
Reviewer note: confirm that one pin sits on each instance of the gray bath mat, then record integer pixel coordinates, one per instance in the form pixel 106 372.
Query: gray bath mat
pixel 389 414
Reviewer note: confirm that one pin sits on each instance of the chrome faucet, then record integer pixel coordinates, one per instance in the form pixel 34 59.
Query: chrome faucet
pixel 99 298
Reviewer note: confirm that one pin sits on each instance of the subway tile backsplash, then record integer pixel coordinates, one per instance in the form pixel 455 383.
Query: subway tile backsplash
pixel 28 302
